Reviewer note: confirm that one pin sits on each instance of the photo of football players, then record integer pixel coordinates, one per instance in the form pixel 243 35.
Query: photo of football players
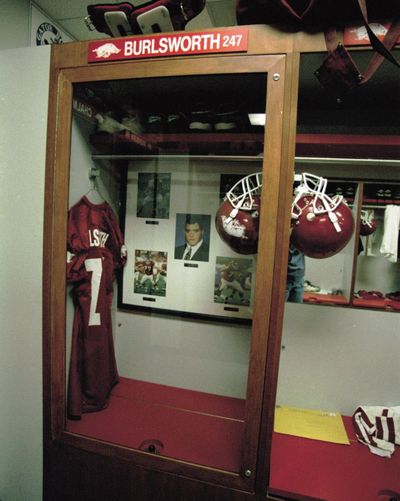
pixel 153 198
pixel 233 278
pixel 150 275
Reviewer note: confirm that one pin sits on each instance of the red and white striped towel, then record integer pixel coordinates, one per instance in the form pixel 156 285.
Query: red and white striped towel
pixel 378 428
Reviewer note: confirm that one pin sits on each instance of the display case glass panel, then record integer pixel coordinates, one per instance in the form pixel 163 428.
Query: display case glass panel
pixel 161 365
pixel 350 139
pixel 338 364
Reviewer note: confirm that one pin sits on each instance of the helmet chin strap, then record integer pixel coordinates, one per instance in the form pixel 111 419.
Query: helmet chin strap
pixel 232 215
pixel 332 216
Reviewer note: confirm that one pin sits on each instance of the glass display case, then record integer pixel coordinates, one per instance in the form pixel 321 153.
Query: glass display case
pixel 163 164
pixel 168 182
pixel 172 352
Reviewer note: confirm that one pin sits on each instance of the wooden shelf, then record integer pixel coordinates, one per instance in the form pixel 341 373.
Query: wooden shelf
pixel 311 470
pixel 379 202
pixel 378 303
pixel 188 143
pixel 348 145
pixel 315 297
pixel 247 143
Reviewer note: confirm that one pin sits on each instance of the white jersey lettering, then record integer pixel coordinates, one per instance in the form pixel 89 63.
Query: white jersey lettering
pixel 97 238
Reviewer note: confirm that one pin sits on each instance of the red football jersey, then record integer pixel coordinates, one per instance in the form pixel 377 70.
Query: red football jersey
pixel 95 250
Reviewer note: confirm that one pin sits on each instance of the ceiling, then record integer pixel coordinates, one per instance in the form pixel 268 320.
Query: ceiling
pixel 69 15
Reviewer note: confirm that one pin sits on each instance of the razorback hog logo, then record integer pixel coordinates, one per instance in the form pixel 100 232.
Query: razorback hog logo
pixel 106 50
pixel 362 34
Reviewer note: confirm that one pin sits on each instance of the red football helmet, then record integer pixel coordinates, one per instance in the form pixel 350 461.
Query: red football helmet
pixel 367 223
pixel 322 226
pixel 237 219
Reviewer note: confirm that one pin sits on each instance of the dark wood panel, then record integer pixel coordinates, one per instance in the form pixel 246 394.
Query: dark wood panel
pixel 76 475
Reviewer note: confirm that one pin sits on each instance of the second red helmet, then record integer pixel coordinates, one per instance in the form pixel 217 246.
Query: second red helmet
pixel 322 225
pixel 368 224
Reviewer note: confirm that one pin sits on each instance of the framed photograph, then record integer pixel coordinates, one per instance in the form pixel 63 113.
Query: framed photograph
pixel 150 272
pixel 177 263
pixel 233 280
pixel 192 237
pixel 153 196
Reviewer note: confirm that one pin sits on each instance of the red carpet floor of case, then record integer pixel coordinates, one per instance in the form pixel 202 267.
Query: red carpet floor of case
pixel 192 426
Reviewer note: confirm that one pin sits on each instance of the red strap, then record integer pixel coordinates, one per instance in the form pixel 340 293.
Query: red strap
pixel 286 4
pixel 383 48
pixel 331 39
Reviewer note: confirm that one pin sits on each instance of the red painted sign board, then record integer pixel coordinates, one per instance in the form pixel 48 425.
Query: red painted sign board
pixel 169 44
pixel 357 35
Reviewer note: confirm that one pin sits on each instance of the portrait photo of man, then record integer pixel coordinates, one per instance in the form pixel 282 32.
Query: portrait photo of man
pixel 192 237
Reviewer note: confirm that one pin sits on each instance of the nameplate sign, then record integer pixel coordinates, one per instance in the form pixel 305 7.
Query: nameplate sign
pixel 170 44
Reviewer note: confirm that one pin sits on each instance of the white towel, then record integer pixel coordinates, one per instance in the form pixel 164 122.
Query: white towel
pixel 391 233
pixel 378 428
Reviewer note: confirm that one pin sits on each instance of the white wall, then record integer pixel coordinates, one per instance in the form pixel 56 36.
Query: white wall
pixel 337 358
pixel 24 77
pixel 14 24
pixel 184 353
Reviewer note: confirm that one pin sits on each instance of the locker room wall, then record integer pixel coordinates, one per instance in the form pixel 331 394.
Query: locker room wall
pixel 24 85
pixel 184 353
pixel 336 358
pixel 14 24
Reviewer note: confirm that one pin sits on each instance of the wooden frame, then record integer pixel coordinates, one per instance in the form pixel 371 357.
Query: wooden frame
pixel 68 66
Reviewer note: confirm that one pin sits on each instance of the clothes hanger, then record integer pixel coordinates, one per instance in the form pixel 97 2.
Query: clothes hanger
pixel 94 195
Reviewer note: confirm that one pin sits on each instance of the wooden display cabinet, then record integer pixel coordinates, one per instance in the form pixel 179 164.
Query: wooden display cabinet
pixel 247 434
pixel 220 443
